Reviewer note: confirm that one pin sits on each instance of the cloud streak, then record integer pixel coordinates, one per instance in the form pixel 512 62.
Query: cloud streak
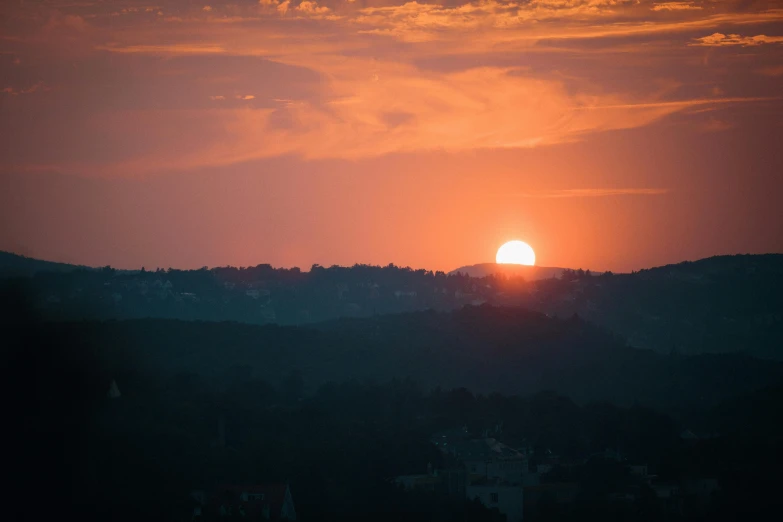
pixel 676 6
pixel 723 40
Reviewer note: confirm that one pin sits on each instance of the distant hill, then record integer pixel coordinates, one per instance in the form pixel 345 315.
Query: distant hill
pixel 486 349
pixel 718 304
pixel 14 265
pixel 530 273
pixel 715 305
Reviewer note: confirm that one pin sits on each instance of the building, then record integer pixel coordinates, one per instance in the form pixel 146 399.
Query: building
pixel 487 470
pixel 488 459
pixel 507 498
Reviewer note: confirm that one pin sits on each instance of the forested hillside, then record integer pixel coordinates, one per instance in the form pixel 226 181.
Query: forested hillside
pixel 717 305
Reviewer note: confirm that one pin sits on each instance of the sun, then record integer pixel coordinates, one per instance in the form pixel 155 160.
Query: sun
pixel 516 253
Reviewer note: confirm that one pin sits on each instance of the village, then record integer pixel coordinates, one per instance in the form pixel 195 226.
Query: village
pixel 517 483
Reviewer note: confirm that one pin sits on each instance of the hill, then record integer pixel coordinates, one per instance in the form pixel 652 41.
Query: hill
pixel 486 349
pixel 14 265
pixel 196 410
pixel 717 305
pixel 529 273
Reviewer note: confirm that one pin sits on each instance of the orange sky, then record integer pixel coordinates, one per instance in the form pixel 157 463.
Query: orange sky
pixel 608 134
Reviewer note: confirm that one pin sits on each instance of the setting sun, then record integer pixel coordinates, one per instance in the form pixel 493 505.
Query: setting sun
pixel 516 253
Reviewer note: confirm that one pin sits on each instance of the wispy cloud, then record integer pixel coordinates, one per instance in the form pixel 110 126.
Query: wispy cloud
pixel 343 80
pixel 36 87
pixel 675 6
pixel 693 102
pixel 723 40
pixel 171 49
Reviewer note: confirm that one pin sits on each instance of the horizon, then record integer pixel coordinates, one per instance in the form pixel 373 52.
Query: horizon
pixel 383 265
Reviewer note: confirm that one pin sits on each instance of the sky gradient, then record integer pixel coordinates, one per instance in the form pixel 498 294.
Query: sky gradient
pixel 607 134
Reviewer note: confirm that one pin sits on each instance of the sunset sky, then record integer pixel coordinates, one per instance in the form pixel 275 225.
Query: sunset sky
pixel 608 134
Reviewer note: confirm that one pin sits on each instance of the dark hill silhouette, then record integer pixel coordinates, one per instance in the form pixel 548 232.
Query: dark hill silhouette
pixel 195 412
pixel 486 349
pixel 530 273
pixel 14 265
pixel 719 304
pixel 716 305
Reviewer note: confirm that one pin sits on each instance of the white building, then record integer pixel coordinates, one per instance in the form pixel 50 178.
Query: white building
pixel 489 459
pixel 496 473
pixel 506 498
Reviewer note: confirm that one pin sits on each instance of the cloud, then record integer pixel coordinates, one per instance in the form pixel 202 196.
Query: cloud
pixel 207 8
pixel 675 6
pixel 510 22
pixel 68 21
pixel 722 40
pixel 275 7
pixel 36 87
pixel 405 111
pixel 403 78
pixel 310 7
pixel 170 49
pixel 715 125
pixel 595 193
pixel 675 104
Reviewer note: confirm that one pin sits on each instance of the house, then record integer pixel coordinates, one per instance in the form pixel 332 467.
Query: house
pixel 507 498
pixel 451 481
pixel 487 470
pixel 641 473
pixel 489 459
pixel 669 497
pixel 254 502
pixel 692 494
